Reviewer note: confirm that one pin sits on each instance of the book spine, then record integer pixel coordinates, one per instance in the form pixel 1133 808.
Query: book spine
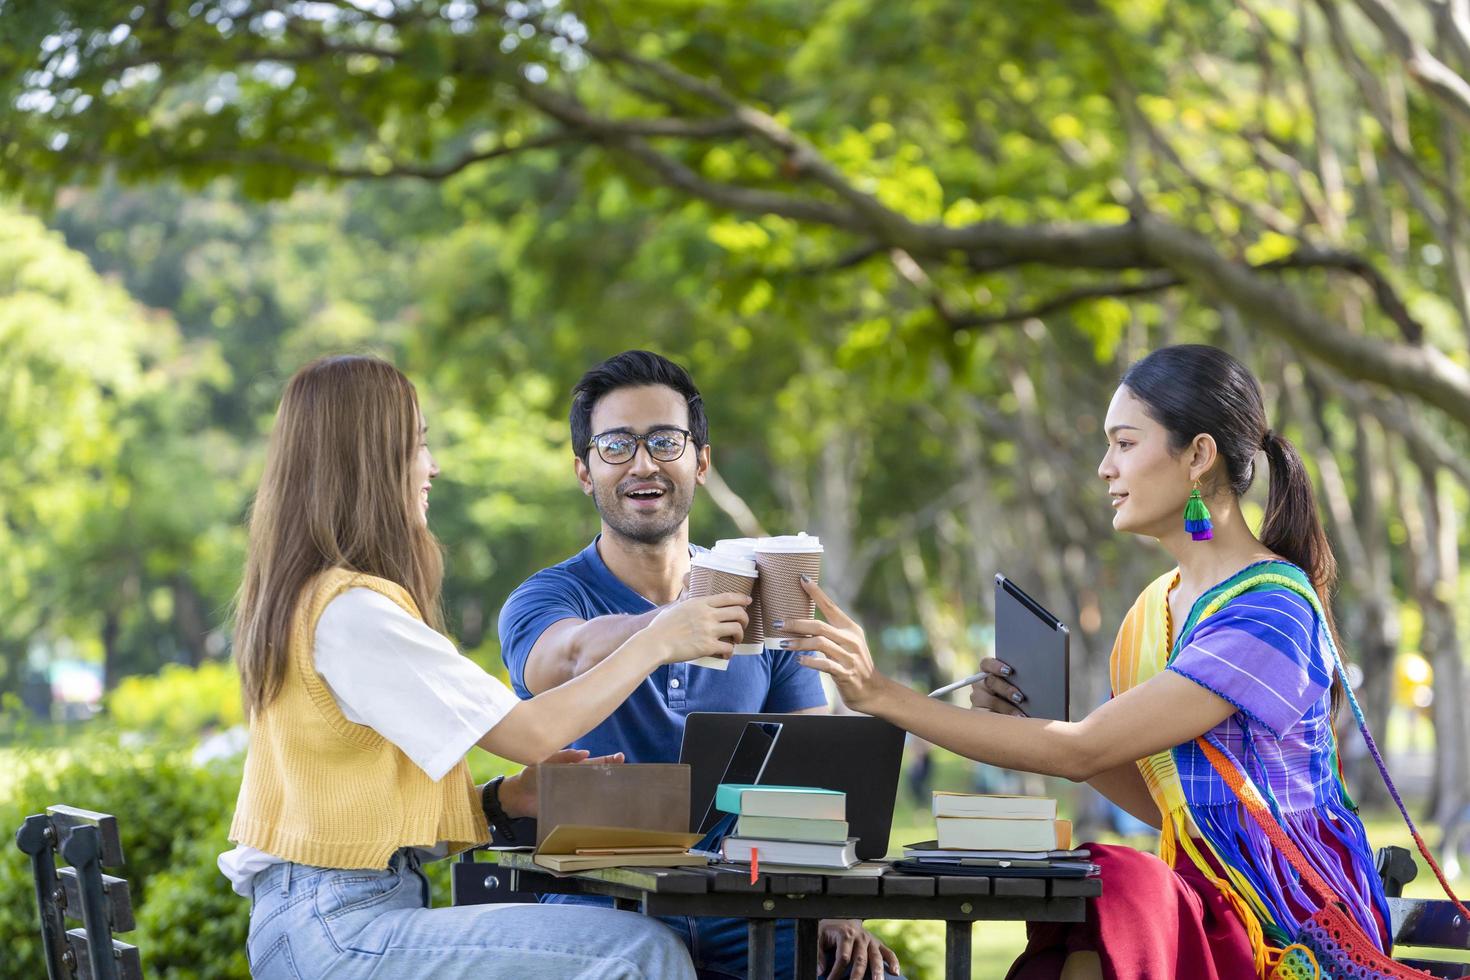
pixel 727 799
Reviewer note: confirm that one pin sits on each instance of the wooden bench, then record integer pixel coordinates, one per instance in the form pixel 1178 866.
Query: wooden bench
pixel 88 841
pixel 1432 923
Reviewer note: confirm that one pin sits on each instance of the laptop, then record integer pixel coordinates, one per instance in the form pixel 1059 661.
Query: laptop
pixel 854 754
pixel 1037 647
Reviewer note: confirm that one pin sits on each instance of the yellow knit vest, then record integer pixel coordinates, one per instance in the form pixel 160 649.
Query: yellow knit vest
pixel 321 790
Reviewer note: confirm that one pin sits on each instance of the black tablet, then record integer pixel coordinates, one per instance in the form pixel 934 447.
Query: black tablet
pixel 1037 647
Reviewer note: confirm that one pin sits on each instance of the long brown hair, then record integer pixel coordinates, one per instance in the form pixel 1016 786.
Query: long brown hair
pixel 336 493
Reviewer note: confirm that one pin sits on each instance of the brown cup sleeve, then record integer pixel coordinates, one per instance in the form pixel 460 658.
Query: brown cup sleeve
pixel 781 594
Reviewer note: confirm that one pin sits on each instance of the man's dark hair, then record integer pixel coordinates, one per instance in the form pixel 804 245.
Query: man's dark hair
pixel 633 369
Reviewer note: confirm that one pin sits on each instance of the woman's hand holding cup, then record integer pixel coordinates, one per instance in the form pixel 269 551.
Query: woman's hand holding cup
pixel 839 649
pixel 701 626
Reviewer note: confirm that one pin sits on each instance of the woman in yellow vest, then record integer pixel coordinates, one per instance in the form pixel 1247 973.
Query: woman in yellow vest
pixel 362 712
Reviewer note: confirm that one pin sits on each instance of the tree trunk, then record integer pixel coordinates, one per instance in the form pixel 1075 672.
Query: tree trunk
pixel 189 623
pixel 1433 532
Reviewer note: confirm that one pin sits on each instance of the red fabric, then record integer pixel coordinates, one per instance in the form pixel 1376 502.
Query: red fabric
pixel 1150 923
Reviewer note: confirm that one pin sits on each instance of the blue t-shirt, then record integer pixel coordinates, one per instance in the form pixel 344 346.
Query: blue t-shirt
pixel 649 725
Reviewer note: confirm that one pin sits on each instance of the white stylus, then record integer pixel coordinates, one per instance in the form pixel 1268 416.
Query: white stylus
pixel 966 682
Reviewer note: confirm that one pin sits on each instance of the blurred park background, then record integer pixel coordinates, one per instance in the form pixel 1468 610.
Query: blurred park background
pixel 905 249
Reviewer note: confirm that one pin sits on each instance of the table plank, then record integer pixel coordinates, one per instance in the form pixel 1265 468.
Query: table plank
pixel 736 882
pixel 1075 887
pixel 1020 887
pixel 853 885
pixel 900 884
pixel 667 881
pixel 963 885
pixel 794 884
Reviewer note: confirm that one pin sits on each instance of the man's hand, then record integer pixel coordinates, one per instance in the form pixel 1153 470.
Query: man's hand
pixel 855 952
pixel 518 792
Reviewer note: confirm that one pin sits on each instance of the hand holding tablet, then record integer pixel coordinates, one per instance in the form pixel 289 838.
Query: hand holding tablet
pixel 1036 648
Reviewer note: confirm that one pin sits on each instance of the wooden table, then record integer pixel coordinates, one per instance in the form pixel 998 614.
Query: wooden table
pixel 958 901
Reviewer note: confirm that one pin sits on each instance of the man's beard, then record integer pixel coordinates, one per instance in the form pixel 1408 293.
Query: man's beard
pixel 644 528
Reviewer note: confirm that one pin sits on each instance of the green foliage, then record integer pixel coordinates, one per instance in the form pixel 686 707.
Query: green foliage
pixel 179 701
pixel 919 945
pixel 98 433
pixel 173 817
pixel 194 925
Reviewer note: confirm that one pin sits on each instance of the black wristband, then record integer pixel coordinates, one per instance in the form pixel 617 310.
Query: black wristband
pixel 495 814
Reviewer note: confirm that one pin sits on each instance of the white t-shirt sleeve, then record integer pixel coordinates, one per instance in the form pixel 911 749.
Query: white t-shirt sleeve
pixel 396 675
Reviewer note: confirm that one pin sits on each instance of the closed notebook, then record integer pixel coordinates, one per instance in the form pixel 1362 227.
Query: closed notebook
pixel 587 862
pixel 930 849
pixel 616 847
pixel 864 869
pixel 948 868
pixel 985 834
pixel 781 801
pixel 993 806
pixel 808 854
pixel 791 828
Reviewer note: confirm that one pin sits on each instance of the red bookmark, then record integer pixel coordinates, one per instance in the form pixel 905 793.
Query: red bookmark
pixel 755 865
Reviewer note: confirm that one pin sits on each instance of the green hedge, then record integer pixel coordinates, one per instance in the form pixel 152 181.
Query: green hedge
pixel 179 701
pixel 173 818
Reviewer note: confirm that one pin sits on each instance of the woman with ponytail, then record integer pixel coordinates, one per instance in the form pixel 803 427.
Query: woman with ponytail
pixel 1219 731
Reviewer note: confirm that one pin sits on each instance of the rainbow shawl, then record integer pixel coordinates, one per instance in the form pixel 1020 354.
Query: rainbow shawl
pixel 1208 816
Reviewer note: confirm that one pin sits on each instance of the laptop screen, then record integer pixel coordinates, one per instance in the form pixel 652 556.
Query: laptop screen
pixel 747 763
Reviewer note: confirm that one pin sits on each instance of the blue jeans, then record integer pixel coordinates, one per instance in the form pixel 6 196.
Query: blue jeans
pixel 308 923
pixel 719 947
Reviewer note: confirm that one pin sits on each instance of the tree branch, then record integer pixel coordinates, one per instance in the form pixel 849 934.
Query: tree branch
pixel 1422 369
pixel 1151 284
pixel 734 506
pixel 1310 257
pixel 1441 81
pixel 393 169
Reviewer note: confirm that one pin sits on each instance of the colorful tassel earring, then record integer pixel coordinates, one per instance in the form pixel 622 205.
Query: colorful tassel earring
pixel 1197 517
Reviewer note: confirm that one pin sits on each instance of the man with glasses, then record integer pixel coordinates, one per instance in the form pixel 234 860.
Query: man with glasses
pixel 642 447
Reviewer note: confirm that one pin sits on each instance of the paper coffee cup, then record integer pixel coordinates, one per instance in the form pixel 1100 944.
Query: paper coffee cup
pixel 755 632
pixel 782 561
pixel 711 573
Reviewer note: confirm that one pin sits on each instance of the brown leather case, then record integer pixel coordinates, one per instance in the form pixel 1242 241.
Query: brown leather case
pixel 645 796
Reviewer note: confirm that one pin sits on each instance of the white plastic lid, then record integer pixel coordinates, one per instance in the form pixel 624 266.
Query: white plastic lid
pixel 724 562
pixel 739 547
pixel 790 544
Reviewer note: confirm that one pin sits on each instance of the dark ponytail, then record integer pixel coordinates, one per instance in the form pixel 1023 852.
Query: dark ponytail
pixel 1193 389
pixel 1292 528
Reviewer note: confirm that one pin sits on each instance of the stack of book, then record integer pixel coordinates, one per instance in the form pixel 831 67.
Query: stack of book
pixel 1012 836
pixel 783 828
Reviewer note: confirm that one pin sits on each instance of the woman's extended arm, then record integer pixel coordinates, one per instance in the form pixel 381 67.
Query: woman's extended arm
pixel 1161 713
pixel 1122 785
pixel 534 729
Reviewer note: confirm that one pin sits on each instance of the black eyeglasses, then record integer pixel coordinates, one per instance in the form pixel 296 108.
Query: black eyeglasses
pixel 664 445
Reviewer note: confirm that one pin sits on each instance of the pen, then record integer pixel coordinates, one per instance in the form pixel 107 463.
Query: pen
pixel 965 682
